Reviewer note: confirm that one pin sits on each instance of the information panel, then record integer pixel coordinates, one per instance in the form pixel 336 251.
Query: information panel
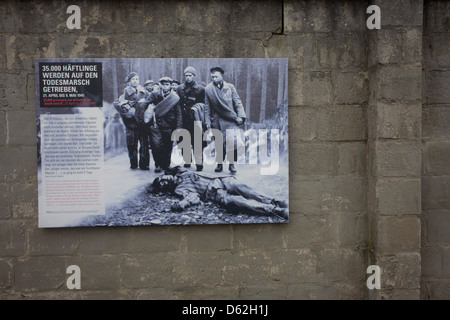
pixel 162 141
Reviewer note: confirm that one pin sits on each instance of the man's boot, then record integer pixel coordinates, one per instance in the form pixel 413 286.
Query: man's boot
pixel 219 168
pixel 199 167
pixel 232 168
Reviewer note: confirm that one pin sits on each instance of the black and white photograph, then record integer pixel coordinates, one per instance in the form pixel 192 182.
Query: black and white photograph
pixel 162 142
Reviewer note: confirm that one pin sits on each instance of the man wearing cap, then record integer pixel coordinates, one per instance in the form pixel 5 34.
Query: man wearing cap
pixel 223 110
pixel 131 109
pixel 175 84
pixel 149 85
pixel 191 95
pixel 166 118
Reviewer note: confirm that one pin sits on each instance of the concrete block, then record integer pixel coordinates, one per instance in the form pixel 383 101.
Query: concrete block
pixel 142 17
pixel 351 229
pixel 216 16
pixel 348 16
pixel 342 264
pixel 39 18
pixel 343 193
pixel 436 289
pixel 352 158
pixel 21 128
pixel 98 272
pixel 249 16
pixel 155 239
pixel 437 87
pixel 12 238
pixel 436 158
pixel 198 270
pixel 6 274
pixel 398 159
pixel 399 196
pixel 9 18
pixel 211 238
pixel 146 270
pixel 312 158
pixel 398 234
pixel 402 270
pixel 21 49
pixel 24 200
pixel 310 89
pixel 302 124
pixel 104 240
pixel 293 266
pixel 435 191
pixel 412 45
pixel 435 122
pixel 437 223
pixel 41 273
pixel 306 230
pixel 15 91
pixel 262 237
pixel 341 123
pixel 341 50
pixel 436 15
pixel 385 46
pixel 398 121
pixel 399 83
pixel 45 242
pixel 242 46
pixel 81 46
pixel 407 13
pixel 301 49
pixel 351 87
pixel 431 261
pixel 305 16
pixel 10 158
pixel 245 268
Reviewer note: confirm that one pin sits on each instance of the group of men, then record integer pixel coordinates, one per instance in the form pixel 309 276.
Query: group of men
pixel 153 112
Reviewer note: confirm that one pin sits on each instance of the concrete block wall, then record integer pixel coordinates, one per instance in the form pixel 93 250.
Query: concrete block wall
pixel 355 122
pixel 435 152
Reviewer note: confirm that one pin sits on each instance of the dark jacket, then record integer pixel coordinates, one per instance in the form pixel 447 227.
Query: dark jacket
pixel 172 119
pixel 189 96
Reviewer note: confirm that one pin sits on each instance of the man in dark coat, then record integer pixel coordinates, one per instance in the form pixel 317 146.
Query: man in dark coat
pixel 131 109
pixel 191 93
pixel 223 110
pixel 167 117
